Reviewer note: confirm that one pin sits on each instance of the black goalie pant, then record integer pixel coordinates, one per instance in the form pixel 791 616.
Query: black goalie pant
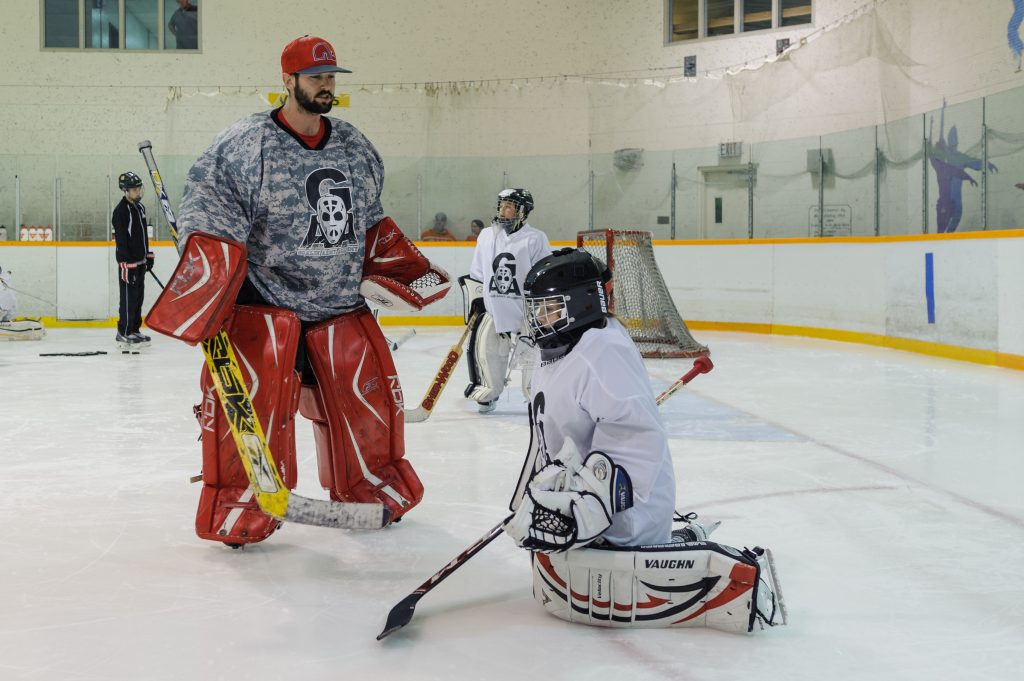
pixel 132 291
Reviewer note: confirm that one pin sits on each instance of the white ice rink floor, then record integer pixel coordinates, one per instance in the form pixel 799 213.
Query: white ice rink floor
pixel 890 487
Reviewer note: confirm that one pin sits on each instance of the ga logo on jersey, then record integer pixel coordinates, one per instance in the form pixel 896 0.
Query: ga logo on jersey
pixel 331 224
pixel 504 279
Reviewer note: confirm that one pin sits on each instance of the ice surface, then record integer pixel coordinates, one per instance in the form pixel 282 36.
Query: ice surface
pixel 889 486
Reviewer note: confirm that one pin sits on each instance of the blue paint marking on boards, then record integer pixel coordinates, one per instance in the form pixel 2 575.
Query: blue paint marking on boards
pixel 929 285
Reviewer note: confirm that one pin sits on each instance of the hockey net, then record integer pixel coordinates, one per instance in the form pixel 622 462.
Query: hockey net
pixel 639 296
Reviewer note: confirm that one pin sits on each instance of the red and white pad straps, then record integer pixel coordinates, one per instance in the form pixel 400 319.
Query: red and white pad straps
pixel 199 297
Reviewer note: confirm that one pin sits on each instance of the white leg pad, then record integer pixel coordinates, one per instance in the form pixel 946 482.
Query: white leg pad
pixel 701 584
pixel 489 353
pixel 22 330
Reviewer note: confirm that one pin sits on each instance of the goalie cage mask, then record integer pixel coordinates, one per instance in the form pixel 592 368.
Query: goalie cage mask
pixel 522 200
pixel 565 295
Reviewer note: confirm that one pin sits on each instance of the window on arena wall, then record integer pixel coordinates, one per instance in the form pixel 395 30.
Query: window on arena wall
pixel 121 24
pixel 696 19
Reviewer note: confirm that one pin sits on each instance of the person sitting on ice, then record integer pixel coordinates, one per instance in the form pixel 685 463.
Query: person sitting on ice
pixel 596 500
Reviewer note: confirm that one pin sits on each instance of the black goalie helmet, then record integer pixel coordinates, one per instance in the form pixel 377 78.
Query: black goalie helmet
pixel 522 202
pixel 128 180
pixel 565 295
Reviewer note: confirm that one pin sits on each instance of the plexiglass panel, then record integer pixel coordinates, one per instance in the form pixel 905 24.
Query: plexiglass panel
pixel 901 178
pixel 849 196
pixel 633 190
pixel 786 194
pixel 1005 188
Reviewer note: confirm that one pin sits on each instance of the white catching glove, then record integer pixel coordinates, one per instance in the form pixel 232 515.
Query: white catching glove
pixel 568 504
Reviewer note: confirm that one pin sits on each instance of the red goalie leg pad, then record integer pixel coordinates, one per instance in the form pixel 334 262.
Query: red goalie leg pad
pixel 265 340
pixel 358 415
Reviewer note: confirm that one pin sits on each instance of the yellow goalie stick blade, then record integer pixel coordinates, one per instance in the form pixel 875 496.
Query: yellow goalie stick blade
pixel 273 497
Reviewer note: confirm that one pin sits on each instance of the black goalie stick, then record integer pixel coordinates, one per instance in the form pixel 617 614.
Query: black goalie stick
pixel 402 613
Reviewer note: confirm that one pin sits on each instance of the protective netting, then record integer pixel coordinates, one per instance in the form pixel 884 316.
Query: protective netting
pixel 640 298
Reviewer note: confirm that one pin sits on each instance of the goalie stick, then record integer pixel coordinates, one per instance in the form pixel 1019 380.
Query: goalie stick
pixel 270 493
pixel 426 408
pixel 395 344
pixel 402 613
pixel 701 365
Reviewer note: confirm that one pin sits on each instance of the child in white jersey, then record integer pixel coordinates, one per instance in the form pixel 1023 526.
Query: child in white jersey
pixel 596 498
pixel 591 394
pixel 593 406
pixel 504 253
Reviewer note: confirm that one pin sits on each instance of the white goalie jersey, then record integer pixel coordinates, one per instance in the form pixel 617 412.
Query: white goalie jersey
pixel 501 261
pixel 599 396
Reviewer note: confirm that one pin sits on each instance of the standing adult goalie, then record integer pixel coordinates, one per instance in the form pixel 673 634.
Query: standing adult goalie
pixel 282 236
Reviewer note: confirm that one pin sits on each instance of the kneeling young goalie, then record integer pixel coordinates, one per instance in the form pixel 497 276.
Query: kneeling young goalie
pixel 596 498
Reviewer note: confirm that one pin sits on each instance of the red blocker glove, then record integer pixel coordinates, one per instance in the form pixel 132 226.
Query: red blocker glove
pixel 201 293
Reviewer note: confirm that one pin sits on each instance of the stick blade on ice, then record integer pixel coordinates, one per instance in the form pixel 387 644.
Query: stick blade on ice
pixel 400 615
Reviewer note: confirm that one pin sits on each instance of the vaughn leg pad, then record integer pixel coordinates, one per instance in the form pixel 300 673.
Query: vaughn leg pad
pixel 265 341
pixel 682 585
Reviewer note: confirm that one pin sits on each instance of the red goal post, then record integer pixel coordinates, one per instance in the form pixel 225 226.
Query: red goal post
pixel 639 296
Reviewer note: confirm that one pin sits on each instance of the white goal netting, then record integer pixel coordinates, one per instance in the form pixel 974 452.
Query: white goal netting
pixel 639 297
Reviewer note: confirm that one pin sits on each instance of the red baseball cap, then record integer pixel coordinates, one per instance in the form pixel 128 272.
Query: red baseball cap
pixel 310 54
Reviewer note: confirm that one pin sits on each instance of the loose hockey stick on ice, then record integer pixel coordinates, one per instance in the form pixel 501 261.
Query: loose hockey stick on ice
pixel 273 497
pixel 426 408
pixel 402 613
pixel 701 365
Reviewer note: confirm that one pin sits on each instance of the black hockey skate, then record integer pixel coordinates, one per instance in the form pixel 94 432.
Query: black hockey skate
pixel 132 344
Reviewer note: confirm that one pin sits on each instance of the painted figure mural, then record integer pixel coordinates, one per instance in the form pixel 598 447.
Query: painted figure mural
pixel 951 166
pixel 1013 30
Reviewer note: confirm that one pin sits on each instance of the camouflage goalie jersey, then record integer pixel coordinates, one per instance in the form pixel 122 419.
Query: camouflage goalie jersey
pixel 302 213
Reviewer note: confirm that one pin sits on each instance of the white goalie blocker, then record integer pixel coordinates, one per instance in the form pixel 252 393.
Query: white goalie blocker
pixel 698 584
pixel 10 328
